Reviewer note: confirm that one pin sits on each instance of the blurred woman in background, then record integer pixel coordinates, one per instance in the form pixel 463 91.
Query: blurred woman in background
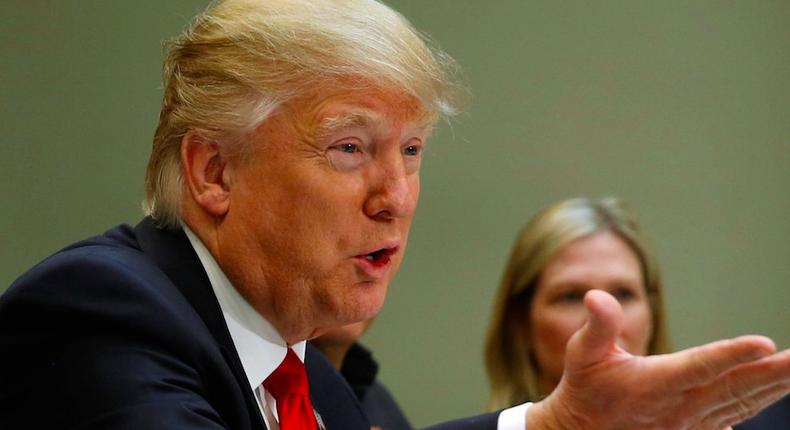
pixel 569 248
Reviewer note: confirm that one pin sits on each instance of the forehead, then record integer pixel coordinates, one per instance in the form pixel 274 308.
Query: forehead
pixel 327 110
pixel 600 254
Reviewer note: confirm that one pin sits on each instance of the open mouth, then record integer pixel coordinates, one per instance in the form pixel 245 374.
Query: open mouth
pixel 379 257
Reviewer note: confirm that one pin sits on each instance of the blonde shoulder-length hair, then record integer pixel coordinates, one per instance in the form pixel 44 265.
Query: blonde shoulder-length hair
pixel 511 368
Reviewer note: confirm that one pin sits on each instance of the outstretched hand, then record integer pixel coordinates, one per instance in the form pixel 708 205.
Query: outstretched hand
pixel 709 387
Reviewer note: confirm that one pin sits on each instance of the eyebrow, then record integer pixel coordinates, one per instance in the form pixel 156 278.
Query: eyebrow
pixel 361 118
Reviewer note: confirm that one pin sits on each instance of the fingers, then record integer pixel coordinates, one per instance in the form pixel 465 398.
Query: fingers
pixel 701 365
pixel 597 337
pixel 746 390
pixel 741 409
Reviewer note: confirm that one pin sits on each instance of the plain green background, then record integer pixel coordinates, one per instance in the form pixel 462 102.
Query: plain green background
pixel 680 107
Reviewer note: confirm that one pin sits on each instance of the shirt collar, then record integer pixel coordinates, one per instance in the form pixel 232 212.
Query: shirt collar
pixel 261 349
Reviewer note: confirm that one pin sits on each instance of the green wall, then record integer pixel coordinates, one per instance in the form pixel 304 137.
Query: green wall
pixel 682 108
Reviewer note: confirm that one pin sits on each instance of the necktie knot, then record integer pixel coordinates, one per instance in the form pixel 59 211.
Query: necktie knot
pixel 290 377
pixel 288 385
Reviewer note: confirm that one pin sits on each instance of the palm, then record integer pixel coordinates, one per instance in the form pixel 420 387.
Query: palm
pixel 707 387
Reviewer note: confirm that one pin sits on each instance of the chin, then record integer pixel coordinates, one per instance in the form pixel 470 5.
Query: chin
pixel 344 304
pixel 366 305
pixel 363 312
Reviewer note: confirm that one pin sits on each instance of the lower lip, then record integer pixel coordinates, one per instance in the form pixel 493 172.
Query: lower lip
pixel 375 269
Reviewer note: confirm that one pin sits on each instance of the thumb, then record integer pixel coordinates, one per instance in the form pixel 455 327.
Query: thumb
pixel 597 337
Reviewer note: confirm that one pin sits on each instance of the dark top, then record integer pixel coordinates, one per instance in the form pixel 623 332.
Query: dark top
pixel 123 331
pixel 774 417
pixel 360 370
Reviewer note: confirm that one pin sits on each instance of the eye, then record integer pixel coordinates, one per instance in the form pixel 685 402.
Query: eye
pixel 572 296
pixel 412 150
pixel 624 294
pixel 347 154
pixel 348 148
pixel 412 155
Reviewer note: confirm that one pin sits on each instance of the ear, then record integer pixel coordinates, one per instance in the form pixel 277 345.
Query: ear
pixel 206 173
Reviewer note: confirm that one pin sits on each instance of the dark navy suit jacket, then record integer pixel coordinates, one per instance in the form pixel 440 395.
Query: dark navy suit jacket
pixel 123 331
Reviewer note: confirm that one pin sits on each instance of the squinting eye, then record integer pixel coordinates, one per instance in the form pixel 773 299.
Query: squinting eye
pixel 572 296
pixel 624 294
pixel 412 150
pixel 349 148
pixel 347 154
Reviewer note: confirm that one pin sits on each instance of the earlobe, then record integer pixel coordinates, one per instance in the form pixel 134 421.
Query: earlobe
pixel 206 173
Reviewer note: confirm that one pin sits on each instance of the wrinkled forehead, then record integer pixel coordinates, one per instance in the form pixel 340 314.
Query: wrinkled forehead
pixel 326 110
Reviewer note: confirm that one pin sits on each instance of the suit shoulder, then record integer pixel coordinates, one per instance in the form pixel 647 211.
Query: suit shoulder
pixel 99 293
pixel 125 347
pixel 110 261
pixel 105 279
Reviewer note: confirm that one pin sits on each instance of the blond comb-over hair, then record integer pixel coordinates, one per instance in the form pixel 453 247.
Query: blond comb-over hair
pixel 241 59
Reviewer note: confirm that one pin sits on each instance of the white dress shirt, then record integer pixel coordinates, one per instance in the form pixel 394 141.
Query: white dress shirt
pixel 261 349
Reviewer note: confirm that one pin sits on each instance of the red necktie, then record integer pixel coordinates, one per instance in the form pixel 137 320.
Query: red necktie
pixel 288 385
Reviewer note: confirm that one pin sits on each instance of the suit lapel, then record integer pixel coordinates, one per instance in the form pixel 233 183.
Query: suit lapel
pixel 331 396
pixel 172 252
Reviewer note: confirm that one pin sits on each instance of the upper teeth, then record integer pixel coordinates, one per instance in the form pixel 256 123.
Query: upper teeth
pixel 370 257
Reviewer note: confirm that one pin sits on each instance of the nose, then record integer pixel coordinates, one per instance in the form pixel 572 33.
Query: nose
pixel 394 194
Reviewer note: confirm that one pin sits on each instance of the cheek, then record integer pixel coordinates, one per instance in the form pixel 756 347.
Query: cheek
pixel 551 330
pixel 318 219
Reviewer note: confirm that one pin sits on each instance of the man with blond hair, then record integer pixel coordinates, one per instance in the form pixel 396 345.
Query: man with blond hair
pixel 283 179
